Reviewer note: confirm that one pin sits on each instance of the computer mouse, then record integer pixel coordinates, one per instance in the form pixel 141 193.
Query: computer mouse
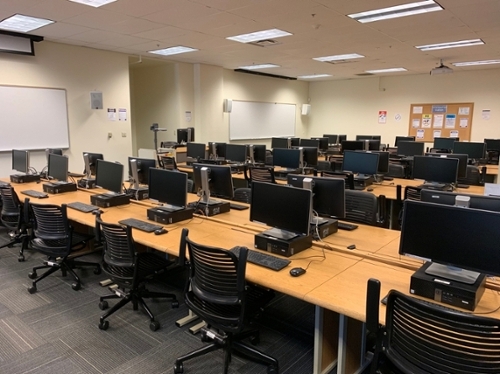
pixel 296 272
pixel 161 231
pixel 369 189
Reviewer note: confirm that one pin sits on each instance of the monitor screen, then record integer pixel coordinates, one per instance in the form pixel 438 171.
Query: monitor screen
pixel 283 207
pixel 54 151
pixel 236 152
pixel 352 145
pixel 294 142
pixel 474 150
pixel 328 194
pixel 279 143
pixel 259 153
pixel 143 166
pixel 435 169
pixel 323 143
pixel 448 198
pixel 196 150
pixel 462 239
pixel 403 139
pixel 58 167
pixel 463 161
pixel 360 162
pixel 168 187
pixel 444 143
pixel 410 148
pixel 220 150
pixel 21 161
pixel 109 175
pixel 93 157
pixel 309 143
pixel 220 180
pixel 492 144
pixel 332 139
pixel 309 156
pixel 373 145
pixel 287 158
pixel 383 162
pixel 368 137
pixel 185 135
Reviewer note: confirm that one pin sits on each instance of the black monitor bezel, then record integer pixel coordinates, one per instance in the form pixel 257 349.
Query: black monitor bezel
pixel 236 152
pixel 168 186
pixel 21 160
pixel 352 145
pixel 355 164
pixel 57 167
pixel 446 143
pixel 435 169
pixel 410 149
pixel 291 156
pixel 142 174
pixel 463 161
pixel 403 139
pixel 93 157
pixel 471 149
pixel 196 150
pixel 107 172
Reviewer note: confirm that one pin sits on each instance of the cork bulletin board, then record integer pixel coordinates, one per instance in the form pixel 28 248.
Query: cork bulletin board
pixel 429 121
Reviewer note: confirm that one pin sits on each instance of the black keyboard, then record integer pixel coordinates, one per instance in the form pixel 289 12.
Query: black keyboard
pixel 238 206
pixel 75 175
pixel 82 207
pixel 33 193
pixel 347 226
pixel 140 225
pixel 263 259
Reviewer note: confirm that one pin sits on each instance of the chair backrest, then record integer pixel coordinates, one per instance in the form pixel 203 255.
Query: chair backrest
pixel 118 244
pixel 190 185
pixel 474 176
pixel 261 174
pixel 361 206
pixel 412 193
pixel 51 222
pixel 396 171
pixel 348 176
pixel 168 163
pixel 243 194
pixel 324 165
pixel 423 337
pixel 11 215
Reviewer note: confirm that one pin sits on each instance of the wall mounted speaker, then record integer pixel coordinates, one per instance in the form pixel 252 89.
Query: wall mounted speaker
pixel 96 100
pixel 228 105
pixel 306 109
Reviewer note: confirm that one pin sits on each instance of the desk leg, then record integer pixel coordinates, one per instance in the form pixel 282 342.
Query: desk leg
pixel 326 325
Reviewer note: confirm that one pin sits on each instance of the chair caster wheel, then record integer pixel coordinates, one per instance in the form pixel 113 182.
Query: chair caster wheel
pixel 97 270
pixel 272 369
pixel 20 258
pixel 76 286
pixel 175 304
pixel 103 305
pixel 32 275
pixel 103 325
pixel 154 325
pixel 178 368
pixel 32 289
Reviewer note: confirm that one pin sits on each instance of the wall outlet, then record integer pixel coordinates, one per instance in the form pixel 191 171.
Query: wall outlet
pixel 124 134
pixel 110 135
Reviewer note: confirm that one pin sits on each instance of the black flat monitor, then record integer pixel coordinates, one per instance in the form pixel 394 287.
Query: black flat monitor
pixel 168 187
pixel 217 150
pixel 403 139
pixel 328 194
pixel 287 158
pixel 309 156
pixel 236 153
pixel 449 198
pixel 109 175
pixel 492 144
pixel 185 135
pixel 58 168
pixel 363 163
pixel 143 166
pixel 368 137
pixel 323 143
pixel 54 151
pixel 444 143
pixel 435 169
pixel 459 238
pixel 259 153
pixel 352 145
pixel 280 143
pixel 21 161
pixel 332 139
pixel 294 142
pixel 410 148
pixel 196 150
pixel 383 162
pixel 92 157
pixel 373 144
pixel 463 161
pixel 220 180
pixel 475 150
pixel 309 143
pixel 285 208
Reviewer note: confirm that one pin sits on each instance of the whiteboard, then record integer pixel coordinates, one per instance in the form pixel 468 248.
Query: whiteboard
pixel 33 118
pixel 253 120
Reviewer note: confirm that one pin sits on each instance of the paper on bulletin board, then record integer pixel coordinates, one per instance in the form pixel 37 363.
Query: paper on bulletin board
pixel 438 121
pixel 437 133
pixel 426 121
pixel 420 134
pixel 415 123
pixel 418 109
pixel 464 123
pixel 464 111
pixel 450 121
pixel 454 134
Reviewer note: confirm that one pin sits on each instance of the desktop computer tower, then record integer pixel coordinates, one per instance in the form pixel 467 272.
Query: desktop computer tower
pixel 24 178
pixel 282 247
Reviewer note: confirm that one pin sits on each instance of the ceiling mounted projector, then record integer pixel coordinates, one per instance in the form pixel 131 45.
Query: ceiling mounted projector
pixel 441 69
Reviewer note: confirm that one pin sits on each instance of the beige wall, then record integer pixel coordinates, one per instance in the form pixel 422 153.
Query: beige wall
pixel 351 106
pixel 79 70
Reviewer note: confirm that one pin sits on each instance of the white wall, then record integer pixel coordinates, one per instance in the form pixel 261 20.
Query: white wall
pixel 351 106
pixel 79 70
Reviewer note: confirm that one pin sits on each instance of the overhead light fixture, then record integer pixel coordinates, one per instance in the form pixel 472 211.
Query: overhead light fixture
pixel 173 50
pixel 93 3
pixel 474 63
pixel 397 11
pixel 261 66
pixel 20 23
pixel 259 35
pixel 460 43
pixel 390 70
pixel 313 76
pixel 338 57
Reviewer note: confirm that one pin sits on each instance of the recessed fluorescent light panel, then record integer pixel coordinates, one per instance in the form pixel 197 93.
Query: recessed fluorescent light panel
pixel 259 35
pixel 314 76
pixel 396 11
pixel 94 3
pixel 338 57
pixel 173 50
pixel 261 66
pixel 391 70
pixel 474 63
pixel 22 23
pixel 460 43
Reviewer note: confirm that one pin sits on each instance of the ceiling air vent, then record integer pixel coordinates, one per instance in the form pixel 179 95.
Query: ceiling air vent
pixel 265 43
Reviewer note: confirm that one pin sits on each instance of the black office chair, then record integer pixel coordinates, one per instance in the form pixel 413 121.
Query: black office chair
pixel 190 186
pixel 218 293
pixel 167 162
pixel 243 195
pixel 365 207
pixel 423 337
pixel 324 166
pixel 475 176
pixel 130 270
pixel 348 176
pixel 12 217
pixel 56 238
pixel 396 171
pixel 259 174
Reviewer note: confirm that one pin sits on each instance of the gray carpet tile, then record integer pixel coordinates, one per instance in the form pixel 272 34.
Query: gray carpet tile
pixel 30 361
